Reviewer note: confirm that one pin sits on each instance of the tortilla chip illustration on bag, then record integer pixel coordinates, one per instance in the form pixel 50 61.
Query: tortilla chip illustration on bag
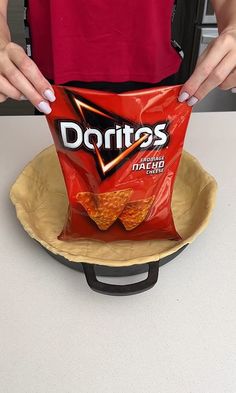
pixel 135 212
pixel 105 208
pixel 119 154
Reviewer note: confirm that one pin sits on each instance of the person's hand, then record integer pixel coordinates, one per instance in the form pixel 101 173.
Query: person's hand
pixel 216 67
pixel 21 79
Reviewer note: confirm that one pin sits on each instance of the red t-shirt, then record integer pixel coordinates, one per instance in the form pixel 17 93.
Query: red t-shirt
pixel 103 40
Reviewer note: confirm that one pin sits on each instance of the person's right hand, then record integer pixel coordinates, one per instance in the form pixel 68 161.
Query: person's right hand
pixel 21 79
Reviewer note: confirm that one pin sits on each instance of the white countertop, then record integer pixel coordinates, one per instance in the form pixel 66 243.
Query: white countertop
pixel 56 335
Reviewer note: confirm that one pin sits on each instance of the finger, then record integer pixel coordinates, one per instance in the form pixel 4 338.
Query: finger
pixel 183 95
pixel 8 90
pixel 202 56
pixel 17 79
pixel 2 97
pixel 204 53
pixel 229 82
pixel 203 70
pixel 30 70
pixel 218 75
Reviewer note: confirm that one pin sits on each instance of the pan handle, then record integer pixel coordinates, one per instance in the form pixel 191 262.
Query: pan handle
pixel 121 290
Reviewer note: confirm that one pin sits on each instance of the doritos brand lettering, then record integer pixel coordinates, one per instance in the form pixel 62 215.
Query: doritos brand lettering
pixel 74 136
pixel 119 154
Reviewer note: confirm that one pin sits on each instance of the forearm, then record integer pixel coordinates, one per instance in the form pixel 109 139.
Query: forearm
pixel 5 35
pixel 225 13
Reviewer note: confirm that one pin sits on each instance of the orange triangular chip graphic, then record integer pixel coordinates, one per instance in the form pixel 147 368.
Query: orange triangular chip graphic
pixel 135 213
pixel 104 208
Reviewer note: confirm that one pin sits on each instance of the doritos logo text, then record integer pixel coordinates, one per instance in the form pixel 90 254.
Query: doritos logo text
pixel 74 136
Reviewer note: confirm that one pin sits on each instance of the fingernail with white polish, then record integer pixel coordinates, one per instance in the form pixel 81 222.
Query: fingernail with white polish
pixel 233 90
pixel 183 97
pixel 44 107
pixel 49 95
pixel 23 98
pixel 192 101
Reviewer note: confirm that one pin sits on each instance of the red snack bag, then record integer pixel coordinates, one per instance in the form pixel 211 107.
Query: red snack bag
pixel 119 154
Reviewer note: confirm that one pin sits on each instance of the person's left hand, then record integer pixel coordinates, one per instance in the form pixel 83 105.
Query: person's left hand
pixel 216 67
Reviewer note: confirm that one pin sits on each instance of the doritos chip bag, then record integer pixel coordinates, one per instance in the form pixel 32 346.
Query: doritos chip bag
pixel 119 154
